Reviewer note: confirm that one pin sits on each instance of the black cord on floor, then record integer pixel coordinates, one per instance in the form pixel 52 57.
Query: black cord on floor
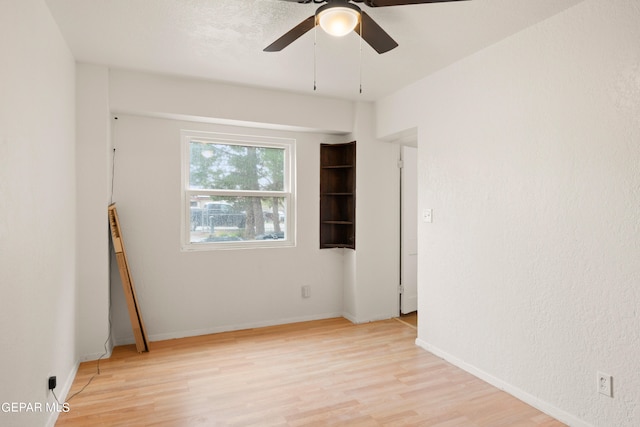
pixel 106 351
pixel 56 397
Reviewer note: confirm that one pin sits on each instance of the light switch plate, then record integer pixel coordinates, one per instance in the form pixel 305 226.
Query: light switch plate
pixel 427 215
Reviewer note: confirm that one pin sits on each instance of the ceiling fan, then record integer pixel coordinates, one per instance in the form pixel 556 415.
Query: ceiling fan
pixel 340 17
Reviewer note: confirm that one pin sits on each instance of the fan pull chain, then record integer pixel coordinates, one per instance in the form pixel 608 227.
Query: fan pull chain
pixel 361 35
pixel 315 42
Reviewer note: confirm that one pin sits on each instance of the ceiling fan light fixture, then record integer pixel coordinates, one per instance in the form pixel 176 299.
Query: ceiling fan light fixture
pixel 338 21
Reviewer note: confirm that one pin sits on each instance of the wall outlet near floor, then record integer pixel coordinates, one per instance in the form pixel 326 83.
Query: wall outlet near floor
pixel 605 384
pixel 306 291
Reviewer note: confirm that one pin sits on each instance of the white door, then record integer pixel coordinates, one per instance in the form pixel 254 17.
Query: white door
pixel 409 230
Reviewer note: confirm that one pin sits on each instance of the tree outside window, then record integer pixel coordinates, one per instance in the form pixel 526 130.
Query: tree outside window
pixel 237 192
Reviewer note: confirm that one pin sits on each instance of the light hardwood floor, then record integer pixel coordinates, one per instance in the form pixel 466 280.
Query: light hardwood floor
pixel 410 319
pixel 320 373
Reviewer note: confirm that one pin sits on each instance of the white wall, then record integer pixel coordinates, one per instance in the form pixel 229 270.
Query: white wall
pixel 93 157
pixel 181 98
pixel 195 293
pixel 37 219
pixel 529 156
pixel 372 271
pixel 190 293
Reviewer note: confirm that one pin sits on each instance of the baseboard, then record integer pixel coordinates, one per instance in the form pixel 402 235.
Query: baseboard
pixel 351 318
pixel 62 393
pixel 96 356
pixel 105 354
pixel 226 328
pixel 516 392
pixel 357 321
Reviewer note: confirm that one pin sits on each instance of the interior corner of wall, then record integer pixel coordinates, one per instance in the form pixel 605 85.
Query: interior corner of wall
pixel 351 318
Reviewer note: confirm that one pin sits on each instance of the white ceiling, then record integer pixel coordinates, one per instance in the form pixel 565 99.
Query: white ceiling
pixel 223 40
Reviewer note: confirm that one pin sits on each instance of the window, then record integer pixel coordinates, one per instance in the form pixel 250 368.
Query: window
pixel 237 191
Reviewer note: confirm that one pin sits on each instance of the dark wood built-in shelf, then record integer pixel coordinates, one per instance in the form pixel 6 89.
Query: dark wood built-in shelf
pixel 338 222
pixel 338 195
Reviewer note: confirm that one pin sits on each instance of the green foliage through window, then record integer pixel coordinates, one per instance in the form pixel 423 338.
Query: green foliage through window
pixel 237 191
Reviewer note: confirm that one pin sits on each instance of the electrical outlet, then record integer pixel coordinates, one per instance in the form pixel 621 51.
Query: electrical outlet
pixel 306 291
pixel 605 384
pixel 52 382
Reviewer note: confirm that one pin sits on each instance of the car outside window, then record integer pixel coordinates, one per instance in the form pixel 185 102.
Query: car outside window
pixel 238 191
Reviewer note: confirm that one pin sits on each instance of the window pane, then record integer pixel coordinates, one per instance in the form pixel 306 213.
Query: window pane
pixel 233 219
pixel 217 166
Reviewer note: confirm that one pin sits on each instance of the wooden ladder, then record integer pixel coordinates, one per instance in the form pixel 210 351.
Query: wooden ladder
pixel 135 316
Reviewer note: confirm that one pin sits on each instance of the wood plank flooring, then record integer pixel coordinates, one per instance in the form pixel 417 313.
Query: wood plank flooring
pixel 321 373
pixel 410 319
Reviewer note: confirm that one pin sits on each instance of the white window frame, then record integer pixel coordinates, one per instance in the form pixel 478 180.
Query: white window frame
pixel 288 144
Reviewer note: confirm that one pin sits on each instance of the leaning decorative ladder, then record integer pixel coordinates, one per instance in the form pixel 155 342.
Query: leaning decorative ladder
pixel 135 316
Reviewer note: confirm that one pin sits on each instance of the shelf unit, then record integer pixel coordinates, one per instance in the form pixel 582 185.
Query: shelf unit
pixel 338 195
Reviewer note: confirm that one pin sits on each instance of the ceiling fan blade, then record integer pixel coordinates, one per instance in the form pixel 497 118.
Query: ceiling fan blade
pixel 373 34
pixel 382 3
pixel 292 35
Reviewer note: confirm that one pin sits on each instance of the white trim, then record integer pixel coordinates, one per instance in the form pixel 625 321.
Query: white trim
pixel 62 394
pixel 350 318
pixel 376 318
pixel 96 356
pixel 518 393
pixel 99 355
pixel 239 139
pixel 236 193
pixel 227 328
pixel 288 193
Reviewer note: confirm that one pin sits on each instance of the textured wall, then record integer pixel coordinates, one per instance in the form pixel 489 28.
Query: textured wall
pixel 221 292
pixel 37 211
pixel 157 95
pixel 93 155
pixel 529 156
pixel 372 271
pixel 198 292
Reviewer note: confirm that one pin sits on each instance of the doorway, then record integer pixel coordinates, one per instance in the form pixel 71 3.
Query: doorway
pixel 409 230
